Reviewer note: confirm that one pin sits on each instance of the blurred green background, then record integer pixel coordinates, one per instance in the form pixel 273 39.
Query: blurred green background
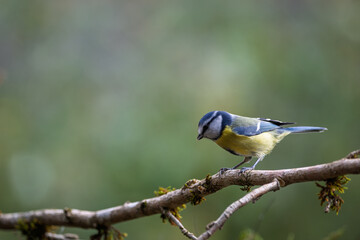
pixel 100 101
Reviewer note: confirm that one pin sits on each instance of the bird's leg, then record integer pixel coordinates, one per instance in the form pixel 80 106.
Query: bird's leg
pixel 246 159
pixel 253 166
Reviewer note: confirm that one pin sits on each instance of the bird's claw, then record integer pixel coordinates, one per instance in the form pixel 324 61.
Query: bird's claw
pixel 243 169
pixel 224 169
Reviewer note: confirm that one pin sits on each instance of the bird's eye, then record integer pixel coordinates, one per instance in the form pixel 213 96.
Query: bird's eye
pixel 205 128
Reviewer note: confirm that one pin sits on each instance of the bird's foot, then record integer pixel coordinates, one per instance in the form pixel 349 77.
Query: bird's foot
pixel 224 169
pixel 243 169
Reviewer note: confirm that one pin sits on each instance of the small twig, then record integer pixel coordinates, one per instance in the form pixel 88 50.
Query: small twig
pixel 173 219
pixel 255 194
pixel 353 154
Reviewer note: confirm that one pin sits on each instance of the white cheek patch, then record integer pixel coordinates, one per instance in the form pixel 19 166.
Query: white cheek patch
pixel 214 130
pixel 216 123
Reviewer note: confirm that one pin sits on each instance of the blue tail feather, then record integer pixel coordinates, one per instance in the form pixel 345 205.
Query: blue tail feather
pixel 304 129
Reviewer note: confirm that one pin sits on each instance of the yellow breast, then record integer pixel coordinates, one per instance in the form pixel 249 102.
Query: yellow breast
pixel 257 145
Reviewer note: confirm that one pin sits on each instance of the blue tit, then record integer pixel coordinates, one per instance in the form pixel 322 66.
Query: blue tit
pixel 245 136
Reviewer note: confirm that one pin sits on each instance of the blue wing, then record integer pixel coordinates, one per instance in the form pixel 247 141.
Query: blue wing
pixel 254 126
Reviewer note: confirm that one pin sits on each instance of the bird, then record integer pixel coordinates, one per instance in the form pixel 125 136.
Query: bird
pixel 246 136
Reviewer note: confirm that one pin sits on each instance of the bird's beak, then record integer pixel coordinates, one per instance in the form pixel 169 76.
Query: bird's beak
pixel 199 137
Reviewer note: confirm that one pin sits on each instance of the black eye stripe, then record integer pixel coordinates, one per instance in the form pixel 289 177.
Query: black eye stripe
pixel 206 126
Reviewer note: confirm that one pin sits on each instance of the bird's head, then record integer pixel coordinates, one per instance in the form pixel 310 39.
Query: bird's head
pixel 212 124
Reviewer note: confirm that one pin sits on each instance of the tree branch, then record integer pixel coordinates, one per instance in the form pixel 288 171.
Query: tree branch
pixel 194 189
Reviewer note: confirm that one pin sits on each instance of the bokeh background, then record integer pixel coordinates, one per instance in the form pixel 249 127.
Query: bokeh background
pixel 100 100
